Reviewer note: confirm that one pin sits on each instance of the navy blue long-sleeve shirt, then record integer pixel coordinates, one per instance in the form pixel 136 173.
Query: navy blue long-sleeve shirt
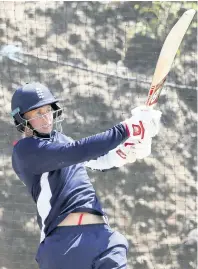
pixel 53 171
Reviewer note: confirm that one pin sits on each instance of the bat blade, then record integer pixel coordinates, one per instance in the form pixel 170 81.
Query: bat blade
pixel 167 55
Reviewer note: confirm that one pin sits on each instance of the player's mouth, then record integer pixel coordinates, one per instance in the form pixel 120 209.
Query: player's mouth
pixel 46 127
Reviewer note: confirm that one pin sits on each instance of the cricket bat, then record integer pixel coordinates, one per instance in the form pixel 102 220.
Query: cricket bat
pixel 167 55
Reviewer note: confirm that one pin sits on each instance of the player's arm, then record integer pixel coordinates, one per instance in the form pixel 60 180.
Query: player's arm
pixel 43 156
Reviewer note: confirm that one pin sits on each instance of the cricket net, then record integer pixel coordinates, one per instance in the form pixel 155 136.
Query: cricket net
pixel 98 58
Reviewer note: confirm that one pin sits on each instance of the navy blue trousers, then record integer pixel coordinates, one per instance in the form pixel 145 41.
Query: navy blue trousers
pixel 92 246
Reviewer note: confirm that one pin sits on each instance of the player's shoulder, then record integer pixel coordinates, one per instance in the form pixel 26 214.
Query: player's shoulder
pixel 26 145
pixel 31 144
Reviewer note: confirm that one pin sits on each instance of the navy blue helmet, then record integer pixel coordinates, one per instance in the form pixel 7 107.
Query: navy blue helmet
pixel 29 97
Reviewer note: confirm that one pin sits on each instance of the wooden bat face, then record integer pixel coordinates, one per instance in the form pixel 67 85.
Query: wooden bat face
pixel 167 55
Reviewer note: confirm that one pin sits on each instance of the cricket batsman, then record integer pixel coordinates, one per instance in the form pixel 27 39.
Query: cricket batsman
pixel 75 233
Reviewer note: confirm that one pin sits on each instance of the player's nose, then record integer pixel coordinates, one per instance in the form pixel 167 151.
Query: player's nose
pixel 47 118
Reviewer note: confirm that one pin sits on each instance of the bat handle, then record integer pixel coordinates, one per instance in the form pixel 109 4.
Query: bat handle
pixel 154 93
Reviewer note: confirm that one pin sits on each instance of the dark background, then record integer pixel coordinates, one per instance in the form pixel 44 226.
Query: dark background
pixel 99 57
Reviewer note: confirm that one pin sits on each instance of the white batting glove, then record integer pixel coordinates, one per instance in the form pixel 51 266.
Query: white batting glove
pixel 144 122
pixel 147 113
pixel 125 153
pixel 132 150
pixel 143 148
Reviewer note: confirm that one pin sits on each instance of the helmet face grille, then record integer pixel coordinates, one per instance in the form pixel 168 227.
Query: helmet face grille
pixel 25 126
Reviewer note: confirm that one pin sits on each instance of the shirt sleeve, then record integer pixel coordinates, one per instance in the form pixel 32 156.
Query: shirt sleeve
pixel 43 156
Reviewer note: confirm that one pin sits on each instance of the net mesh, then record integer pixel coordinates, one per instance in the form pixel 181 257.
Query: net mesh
pixel 98 58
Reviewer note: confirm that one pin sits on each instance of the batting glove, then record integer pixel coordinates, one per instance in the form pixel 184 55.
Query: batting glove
pixel 132 150
pixel 145 122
